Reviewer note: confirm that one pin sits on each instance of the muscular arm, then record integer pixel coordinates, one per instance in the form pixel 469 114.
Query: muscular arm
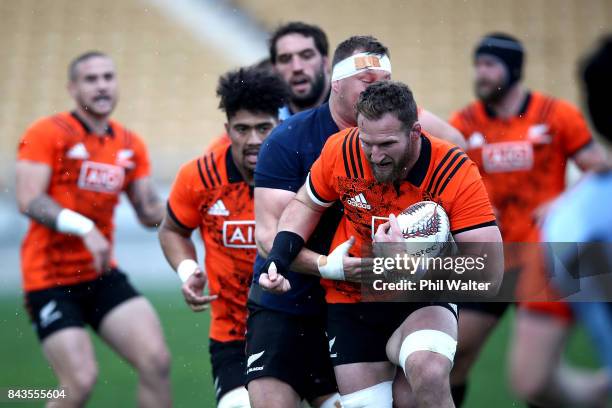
pixel 32 182
pixel 590 157
pixel 147 204
pixel 435 126
pixel 481 241
pixel 175 242
pixel 270 205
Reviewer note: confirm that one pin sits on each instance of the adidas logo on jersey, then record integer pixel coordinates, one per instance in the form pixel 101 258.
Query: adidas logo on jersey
pixel 218 208
pixel 78 152
pixel 359 201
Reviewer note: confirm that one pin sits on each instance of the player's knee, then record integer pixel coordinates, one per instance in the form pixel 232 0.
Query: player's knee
pixel 527 384
pixel 81 382
pixel 376 396
pixel 154 361
pixel 236 398
pixel 423 347
pixel 427 371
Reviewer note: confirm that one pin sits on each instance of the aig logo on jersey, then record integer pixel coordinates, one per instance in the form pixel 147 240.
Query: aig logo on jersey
pixel 507 156
pixel 239 234
pixel 101 177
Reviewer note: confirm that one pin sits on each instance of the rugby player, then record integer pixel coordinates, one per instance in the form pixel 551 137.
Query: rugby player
pixel 582 214
pixel 214 193
pixel 390 164
pixel 521 141
pixel 71 169
pixel 283 165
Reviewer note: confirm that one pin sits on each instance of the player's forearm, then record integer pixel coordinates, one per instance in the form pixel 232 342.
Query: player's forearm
pixel 42 209
pixel 146 202
pixel 299 218
pixel 306 262
pixel 176 247
pixel 46 211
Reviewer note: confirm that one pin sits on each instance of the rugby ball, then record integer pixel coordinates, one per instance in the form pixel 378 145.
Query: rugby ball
pixel 426 226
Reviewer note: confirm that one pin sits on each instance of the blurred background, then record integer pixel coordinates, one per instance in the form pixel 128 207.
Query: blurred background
pixel 169 54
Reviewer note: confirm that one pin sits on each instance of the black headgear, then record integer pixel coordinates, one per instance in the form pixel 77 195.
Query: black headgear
pixel 596 73
pixel 507 49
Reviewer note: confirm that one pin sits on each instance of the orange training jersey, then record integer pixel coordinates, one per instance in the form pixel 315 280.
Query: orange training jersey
pixel 88 172
pixel 442 173
pixel 522 159
pixel 209 193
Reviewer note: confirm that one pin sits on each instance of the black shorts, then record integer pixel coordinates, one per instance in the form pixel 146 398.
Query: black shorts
pixel 76 305
pixel 228 361
pixel 358 332
pixel 290 348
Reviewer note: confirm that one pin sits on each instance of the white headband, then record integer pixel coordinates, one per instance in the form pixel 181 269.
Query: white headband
pixel 358 63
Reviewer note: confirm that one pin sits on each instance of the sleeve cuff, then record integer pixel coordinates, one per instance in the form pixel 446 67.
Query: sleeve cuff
pixel 316 198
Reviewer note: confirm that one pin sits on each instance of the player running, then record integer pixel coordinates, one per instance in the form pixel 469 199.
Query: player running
pixel 71 169
pixel 281 324
pixel 390 164
pixel 521 141
pixel 214 193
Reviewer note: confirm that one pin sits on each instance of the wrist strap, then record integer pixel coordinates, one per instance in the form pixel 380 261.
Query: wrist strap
pixel 71 222
pixel 186 268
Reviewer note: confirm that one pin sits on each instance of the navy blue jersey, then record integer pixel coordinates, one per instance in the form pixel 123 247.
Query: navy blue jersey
pixel 284 161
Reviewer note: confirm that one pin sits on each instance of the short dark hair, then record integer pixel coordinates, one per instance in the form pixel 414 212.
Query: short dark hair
pixel 388 97
pixel 72 67
pixel 298 27
pixel 251 89
pixel 596 71
pixel 365 43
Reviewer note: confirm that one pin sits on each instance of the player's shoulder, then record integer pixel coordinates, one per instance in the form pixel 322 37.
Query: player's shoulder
pixel 128 136
pixel 343 137
pixel 470 114
pixel 56 125
pixel 299 128
pixel 216 166
pixel 448 163
pixel 547 108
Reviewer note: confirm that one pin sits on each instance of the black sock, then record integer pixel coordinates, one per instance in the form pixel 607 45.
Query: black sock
pixel 458 394
pixel 530 405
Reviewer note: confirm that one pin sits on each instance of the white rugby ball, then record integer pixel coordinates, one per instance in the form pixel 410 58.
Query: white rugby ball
pixel 425 226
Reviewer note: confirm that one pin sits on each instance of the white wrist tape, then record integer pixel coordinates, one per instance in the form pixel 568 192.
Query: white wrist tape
pixel 71 222
pixel 186 268
pixel 435 341
pixel 334 267
pixel 358 63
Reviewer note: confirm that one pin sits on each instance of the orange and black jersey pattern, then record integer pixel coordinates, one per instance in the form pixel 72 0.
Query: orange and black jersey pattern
pixel 209 193
pixel 88 173
pixel 523 159
pixel 442 173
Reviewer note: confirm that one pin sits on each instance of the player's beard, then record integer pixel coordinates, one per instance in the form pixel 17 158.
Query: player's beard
pixel 317 87
pixel 493 94
pixel 397 169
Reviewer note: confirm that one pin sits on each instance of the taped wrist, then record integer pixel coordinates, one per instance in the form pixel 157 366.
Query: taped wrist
pixel 286 247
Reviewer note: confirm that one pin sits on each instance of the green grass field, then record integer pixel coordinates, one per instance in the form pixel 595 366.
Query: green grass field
pixel 23 365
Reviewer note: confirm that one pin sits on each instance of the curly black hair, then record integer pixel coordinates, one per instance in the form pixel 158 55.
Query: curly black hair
pixel 388 97
pixel 252 89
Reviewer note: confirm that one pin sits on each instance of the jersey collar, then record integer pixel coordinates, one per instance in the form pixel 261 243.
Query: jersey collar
pixel 522 111
pixel 417 173
pixel 87 129
pixel 233 174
